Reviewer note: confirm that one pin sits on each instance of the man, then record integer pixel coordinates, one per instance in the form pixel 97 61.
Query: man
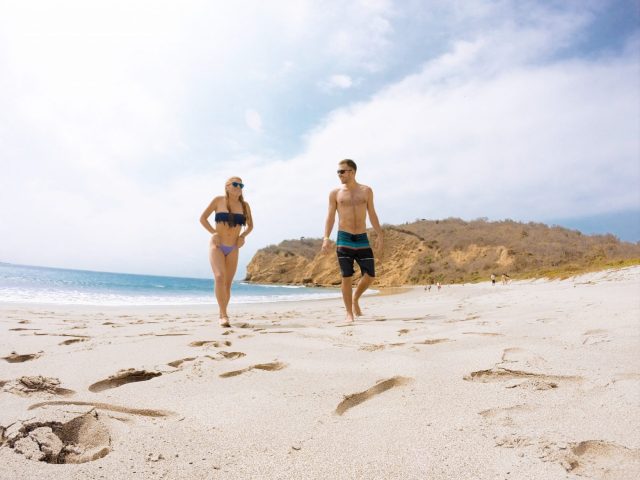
pixel 352 201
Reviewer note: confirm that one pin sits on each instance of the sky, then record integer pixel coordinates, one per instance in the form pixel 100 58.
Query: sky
pixel 121 120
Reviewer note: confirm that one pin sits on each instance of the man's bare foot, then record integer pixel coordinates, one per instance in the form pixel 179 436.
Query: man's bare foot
pixel 349 317
pixel 224 322
pixel 356 309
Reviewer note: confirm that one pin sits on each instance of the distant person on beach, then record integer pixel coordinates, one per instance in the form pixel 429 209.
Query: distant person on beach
pixel 353 201
pixel 493 279
pixel 505 278
pixel 233 223
pixel 438 285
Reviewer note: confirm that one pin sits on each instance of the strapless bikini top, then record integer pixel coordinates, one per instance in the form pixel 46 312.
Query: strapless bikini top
pixel 224 217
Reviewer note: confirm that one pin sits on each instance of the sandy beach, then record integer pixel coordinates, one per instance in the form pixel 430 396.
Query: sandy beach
pixel 531 380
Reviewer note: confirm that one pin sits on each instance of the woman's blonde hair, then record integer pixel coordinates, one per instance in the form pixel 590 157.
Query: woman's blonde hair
pixel 226 194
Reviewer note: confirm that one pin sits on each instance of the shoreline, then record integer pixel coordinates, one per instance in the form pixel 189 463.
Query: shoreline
pixel 196 306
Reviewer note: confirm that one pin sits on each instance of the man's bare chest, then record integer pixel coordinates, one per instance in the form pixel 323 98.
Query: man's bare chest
pixel 351 199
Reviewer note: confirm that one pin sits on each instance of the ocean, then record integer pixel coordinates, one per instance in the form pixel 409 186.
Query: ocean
pixel 44 285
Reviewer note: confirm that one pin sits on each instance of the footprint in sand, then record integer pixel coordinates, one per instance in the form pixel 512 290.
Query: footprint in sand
pixel 602 460
pixel 372 347
pixel 504 416
pixel 270 367
pixel 593 337
pixel 596 459
pixel 66 438
pixel 210 343
pixel 432 341
pixel 72 340
pixel 14 357
pixel 521 364
pixel 123 377
pixel 534 384
pixel 222 354
pixel 231 355
pixel 355 399
pixel 539 381
pixel 29 385
pixel 369 347
pixel 177 363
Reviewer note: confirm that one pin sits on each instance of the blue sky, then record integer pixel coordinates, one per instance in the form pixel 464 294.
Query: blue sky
pixel 121 120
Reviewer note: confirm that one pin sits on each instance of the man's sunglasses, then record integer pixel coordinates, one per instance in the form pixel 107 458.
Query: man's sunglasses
pixel 341 172
pixel 237 184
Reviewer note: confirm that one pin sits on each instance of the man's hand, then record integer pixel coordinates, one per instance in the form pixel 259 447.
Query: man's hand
pixel 379 243
pixel 325 245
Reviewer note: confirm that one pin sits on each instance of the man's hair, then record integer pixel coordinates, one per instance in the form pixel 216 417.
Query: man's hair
pixel 351 164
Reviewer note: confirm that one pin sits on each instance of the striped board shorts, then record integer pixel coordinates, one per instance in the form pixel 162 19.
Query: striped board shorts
pixel 354 247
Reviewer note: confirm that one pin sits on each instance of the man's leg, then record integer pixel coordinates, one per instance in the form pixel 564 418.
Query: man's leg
pixel 345 260
pixel 363 284
pixel 347 297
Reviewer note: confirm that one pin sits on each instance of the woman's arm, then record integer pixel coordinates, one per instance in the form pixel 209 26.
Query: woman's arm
pixel 204 218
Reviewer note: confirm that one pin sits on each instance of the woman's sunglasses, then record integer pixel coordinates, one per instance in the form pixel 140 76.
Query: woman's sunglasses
pixel 237 184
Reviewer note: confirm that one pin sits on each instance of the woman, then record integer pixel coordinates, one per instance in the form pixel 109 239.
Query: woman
pixel 232 214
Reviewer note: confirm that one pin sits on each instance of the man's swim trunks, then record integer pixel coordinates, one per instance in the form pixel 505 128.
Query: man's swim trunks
pixel 356 247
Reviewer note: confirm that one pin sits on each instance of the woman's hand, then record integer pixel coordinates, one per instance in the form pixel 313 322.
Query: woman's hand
pixel 240 241
pixel 215 239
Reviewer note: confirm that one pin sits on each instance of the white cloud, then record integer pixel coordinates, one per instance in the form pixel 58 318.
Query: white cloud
pixel 340 81
pixel 253 120
pixel 121 121
pixel 497 140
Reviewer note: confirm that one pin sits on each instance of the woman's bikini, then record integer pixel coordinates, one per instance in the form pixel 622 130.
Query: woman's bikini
pixel 232 220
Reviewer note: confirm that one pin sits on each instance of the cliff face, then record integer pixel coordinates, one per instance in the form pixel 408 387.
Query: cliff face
pixel 448 251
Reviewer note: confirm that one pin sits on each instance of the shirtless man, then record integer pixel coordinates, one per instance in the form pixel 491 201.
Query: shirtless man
pixel 352 201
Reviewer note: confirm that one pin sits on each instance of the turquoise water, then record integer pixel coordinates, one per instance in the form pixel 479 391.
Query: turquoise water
pixel 29 284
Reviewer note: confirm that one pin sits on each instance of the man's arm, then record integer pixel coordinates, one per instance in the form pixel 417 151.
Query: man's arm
pixel 375 223
pixel 331 219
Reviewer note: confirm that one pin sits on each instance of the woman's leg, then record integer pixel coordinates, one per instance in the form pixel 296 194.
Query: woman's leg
pixel 231 265
pixel 218 265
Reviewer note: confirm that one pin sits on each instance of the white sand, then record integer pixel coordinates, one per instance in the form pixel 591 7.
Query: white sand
pixel 530 380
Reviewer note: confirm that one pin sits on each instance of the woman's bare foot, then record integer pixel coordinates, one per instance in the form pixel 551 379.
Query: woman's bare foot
pixel 349 317
pixel 224 322
pixel 356 309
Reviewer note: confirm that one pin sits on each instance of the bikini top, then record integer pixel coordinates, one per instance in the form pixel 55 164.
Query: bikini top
pixel 223 217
